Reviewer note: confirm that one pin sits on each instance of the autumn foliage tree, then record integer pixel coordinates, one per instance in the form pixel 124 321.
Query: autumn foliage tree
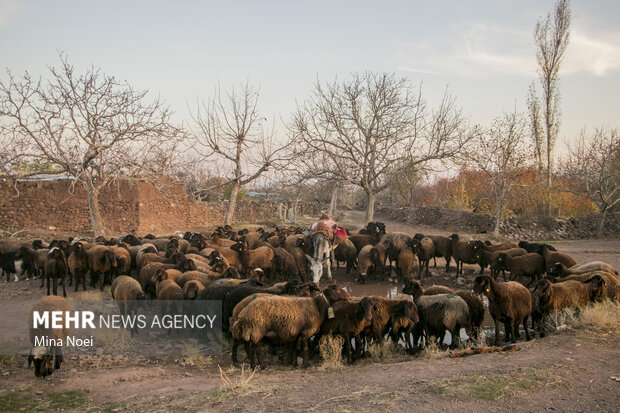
pixel 593 164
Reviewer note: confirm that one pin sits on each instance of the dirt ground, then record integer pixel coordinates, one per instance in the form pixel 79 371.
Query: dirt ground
pixel 571 370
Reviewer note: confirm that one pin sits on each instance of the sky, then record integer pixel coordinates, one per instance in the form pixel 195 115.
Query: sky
pixel 481 51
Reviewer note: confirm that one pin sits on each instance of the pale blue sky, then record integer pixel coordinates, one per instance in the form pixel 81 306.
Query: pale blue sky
pixel 482 50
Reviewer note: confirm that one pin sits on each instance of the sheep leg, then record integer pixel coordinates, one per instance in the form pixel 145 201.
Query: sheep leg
pixel 305 343
pixel 235 347
pixel 347 343
pixel 43 280
pixel 58 358
pixel 252 348
pixel 64 291
pixel 496 331
pixel 434 262
pixel 420 269
pixel 358 346
pixel 448 259
pixel 48 284
pixel 527 334
pixel 456 337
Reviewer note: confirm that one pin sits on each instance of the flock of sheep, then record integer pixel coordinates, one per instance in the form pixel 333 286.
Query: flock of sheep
pixel 235 266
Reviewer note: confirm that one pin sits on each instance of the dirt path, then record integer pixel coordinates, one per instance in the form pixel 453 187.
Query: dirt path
pixel 572 370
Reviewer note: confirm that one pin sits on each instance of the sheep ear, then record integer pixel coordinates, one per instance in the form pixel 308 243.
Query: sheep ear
pixel 309 258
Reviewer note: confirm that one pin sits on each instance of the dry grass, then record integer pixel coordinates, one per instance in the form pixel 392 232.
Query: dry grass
pixel 330 348
pixel 603 316
pixel 237 384
pixel 600 316
pixel 481 341
pixel 386 351
pixel 193 357
pixel 8 351
pixel 432 350
pixel 90 295
pixel 114 341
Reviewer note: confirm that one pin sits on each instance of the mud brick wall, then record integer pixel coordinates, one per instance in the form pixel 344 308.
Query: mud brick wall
pixel 59 205
pixel 127 207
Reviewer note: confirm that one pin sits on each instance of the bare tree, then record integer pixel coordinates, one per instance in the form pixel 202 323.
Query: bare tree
pixel 593 166
pixel 536 129
pixel 373 123
pixel 500 154
pixel 13 151
pixel 232 129
pixel 551 37
pixel 91 125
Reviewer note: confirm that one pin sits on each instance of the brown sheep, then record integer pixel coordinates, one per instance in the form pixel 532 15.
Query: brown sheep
pixel 147 273
pixel 126 291
pixel 167 289
pixel 365 263
pixel 78 264
pixel 474 303
pixel 552 257
pixel 346 252
pixel 487 258
pixel 405 262
pixel 260 257
pixel 102 264
pixel 509 303
pixel 611 288
pixel 378 257
pixel 560 270
pixel 56 269
pixel 463 252
pixel 46 359
pixel 191 289
pixel 529 265
pixel 361 240
pixel 425 250
pixel 284 264
pixel 350 319
pixel 289 318
pixel 438 313
pixel 549 297
pixel 443 248
pixel 123 260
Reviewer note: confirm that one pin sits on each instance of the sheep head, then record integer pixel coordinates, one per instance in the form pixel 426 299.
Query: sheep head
pixel 159 276
pixel 483 284
pixel 542 292
pixel 364 309
pixel 42 360
pixel 187 265
pixel 334 293
pixel 413 288
pixel 108 258
pixel 597 291
pixel 231 272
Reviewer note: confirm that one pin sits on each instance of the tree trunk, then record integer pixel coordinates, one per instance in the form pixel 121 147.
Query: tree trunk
pixel 232 204
pixel 94 212
pixel 370 209
pixel 601 222
pixel 332 203
pixel 498 216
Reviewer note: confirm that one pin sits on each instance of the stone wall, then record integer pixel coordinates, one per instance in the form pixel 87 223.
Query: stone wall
pixel 522 228
pixel 128 207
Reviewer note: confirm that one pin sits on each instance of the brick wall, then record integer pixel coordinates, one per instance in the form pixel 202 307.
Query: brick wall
pixel 129 206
